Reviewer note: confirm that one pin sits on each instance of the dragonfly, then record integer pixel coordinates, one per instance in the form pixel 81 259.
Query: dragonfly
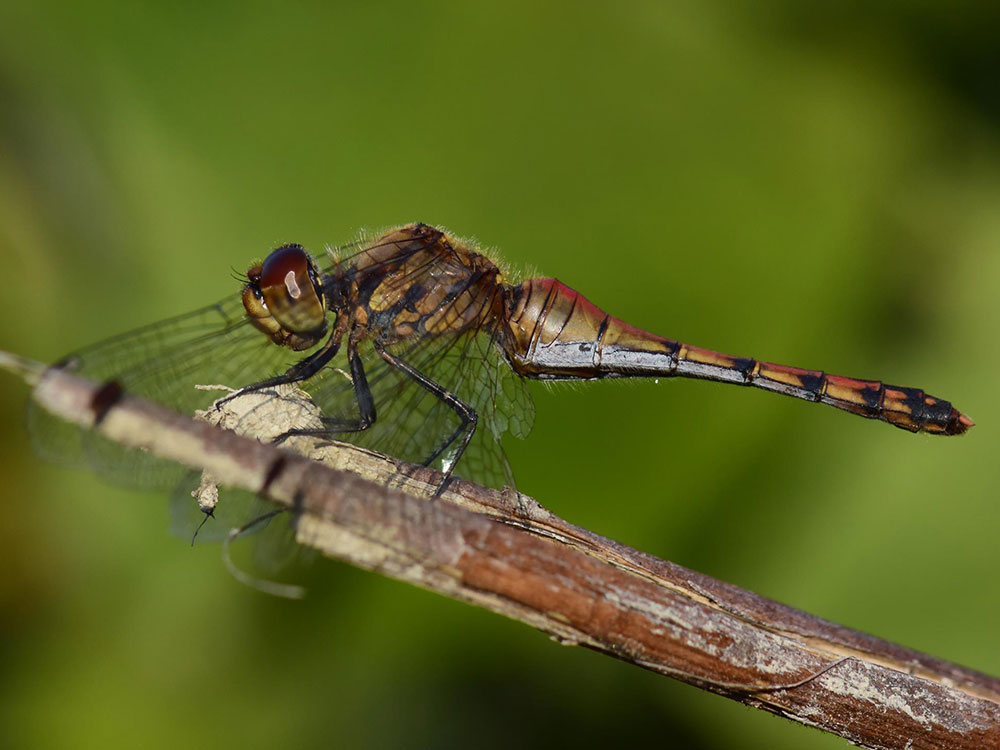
pixel 413 343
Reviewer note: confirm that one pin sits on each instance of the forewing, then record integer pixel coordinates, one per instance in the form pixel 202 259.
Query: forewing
pixel 164 362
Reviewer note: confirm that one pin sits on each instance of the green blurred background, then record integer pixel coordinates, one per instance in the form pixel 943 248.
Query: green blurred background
pixel 801 182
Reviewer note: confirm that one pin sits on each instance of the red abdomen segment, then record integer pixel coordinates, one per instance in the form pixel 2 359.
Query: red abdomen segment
pixel 558 334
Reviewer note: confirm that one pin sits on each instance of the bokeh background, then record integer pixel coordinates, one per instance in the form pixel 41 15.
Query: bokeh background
pixel 809 183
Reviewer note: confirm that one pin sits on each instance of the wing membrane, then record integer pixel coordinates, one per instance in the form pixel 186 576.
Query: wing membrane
pixel 412 423
pixel 164 362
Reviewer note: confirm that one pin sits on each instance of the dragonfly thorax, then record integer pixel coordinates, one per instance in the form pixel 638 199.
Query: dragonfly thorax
pixel 283 298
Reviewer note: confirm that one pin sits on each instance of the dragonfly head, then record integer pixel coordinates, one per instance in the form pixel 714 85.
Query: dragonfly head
pixel 284 298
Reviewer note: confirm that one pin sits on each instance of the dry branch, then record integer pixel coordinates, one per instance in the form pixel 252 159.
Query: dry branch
pixel 504 552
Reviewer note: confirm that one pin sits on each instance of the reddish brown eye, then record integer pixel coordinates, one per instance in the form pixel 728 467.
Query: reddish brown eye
pixel 287 283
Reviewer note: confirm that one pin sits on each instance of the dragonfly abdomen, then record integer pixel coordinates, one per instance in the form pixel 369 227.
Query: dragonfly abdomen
pixel 559 334
pixel 908 408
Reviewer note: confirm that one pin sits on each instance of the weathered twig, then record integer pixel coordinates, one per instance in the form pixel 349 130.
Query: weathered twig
pixel 504 552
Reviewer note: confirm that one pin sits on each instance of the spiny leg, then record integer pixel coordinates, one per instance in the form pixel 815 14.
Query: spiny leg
pixel 301 370
pixel 362 395
pixel 466 414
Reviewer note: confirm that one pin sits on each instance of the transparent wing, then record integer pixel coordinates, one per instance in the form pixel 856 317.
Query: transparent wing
pixel 165 362
pixel 172 361
pixel 265 549
pixel 413 424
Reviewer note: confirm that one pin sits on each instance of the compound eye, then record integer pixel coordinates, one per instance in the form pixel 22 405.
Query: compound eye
pixel 290 290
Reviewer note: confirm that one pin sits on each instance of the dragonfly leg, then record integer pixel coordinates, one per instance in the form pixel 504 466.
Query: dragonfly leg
pixel 466 414
pixel 363 396
pixel 302 370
